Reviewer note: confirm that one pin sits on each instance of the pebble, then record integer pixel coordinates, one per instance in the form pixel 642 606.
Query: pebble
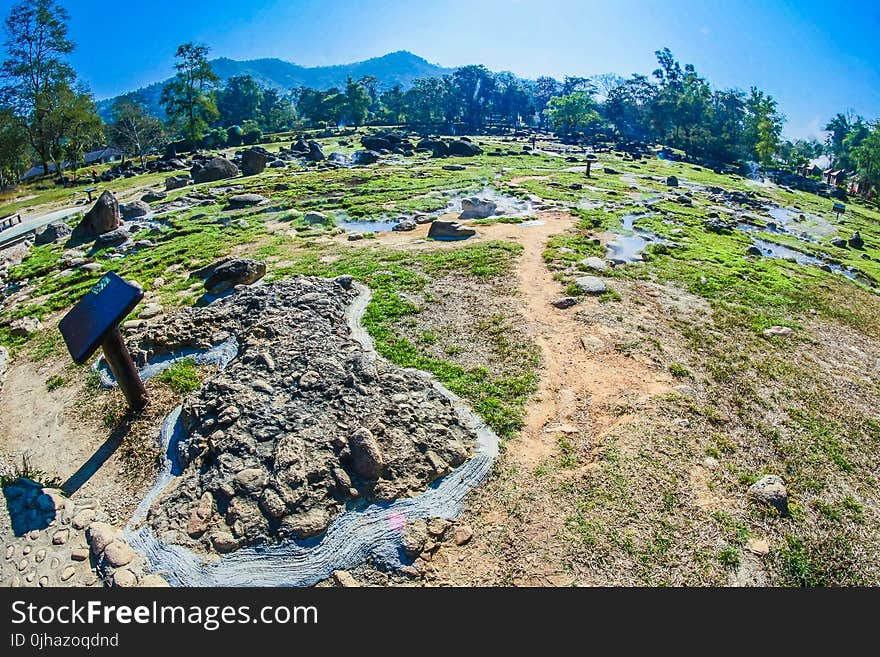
pixel 67 573
pixel 462 534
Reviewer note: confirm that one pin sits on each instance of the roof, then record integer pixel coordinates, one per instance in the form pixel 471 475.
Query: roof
pixel 100 154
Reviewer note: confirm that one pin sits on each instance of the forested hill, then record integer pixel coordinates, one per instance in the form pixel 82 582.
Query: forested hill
pixel 400 67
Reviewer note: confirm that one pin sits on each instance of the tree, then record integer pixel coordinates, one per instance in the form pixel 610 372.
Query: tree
pixel 394 103
pixel 13 147
pixel 132 129
pixel 239 100
pixel 357 102
pixel 573 113
pixel 763 126
pixel 36 44
pixel 628 107
pixel 513 99
pixel 188 98
pixel 276 111
pixel 474 87
pixel 75 125
pixel 545 88
pixel 866 156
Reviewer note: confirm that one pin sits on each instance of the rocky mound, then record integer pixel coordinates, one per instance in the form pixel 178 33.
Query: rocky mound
pixel 301 425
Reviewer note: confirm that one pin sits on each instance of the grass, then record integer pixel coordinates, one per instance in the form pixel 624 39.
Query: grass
pixel 183 377
pixel 26 470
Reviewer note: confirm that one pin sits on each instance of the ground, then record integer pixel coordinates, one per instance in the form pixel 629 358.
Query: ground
pixel 633 422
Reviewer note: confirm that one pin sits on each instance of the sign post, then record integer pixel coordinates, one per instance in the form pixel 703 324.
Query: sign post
pixel 94 322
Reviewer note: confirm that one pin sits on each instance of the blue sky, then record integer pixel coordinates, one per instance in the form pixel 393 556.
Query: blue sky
pixel 816 58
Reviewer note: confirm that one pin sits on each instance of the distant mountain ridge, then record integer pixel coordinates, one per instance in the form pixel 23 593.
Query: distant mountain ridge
pixel 401 67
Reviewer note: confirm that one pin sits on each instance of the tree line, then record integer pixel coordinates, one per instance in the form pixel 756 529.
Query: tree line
pixel 47 115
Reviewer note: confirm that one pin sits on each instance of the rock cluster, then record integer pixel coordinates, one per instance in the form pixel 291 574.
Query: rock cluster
pixel 301 425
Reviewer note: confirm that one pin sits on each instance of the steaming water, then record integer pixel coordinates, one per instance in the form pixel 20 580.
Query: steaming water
pixel 351 538
pixel 365 226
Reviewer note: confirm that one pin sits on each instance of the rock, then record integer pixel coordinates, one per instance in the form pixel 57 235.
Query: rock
pixel 770 491
pixel 112 238
pixel 594 263
pixel 477 208
pixel 463 148
pixel 60 537
pixel 118 554
pixel 753 251
pixel 345 281
pixel 449 230
pixel 778 331
pixel 718 226
pixel 462 534
pixel 4 361
pixel 856 241
pixel 224 542
pixel 251 480
pixel 176 182
pixel 454 167
pixel 240 201
pixel 366 456
pixel 100 535
pixel 404 226
pixel 25 326
pixel 79 554
pixel 315 153
pixel 124 578
pixel 153 581
pixel 590 285
pixel 102 218
pixel 52 233
pixel 373 143
pixel 345 579
pixel 218 168
pixel 278 164
pixel 153 196
pixel 839 242
pixel 150 310
pixel 415 535
pixel 424 219
pixel 234 272
pixel 565 302
pixel 437 527
pixel 671 181
pixel 362 158
pixel 134 209
pixel 253 162
pixel 759 546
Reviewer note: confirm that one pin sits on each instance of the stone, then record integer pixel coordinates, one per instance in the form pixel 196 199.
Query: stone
pixel 153 581
pixel 124 578
pixel 415 535
pixel 463 148
pixel 856 241
pixel 60 537
pixel 477 208
pixel 250 480
pixel 234 272
pixel 25 326
pixel 218 168
pixel 462 534
pixel 224 542
pixel 595 263
pixel 363 158
pixel 154 196
pixel 366 455
pixel 150 311
pixel 454 167
pixel 590 285
pixel 240 201
pixel 839 242
pixel 315 154
pixel 404 226
pixel 345 579
pixel 437 527
pixel 778 331
pixel 67 573
pixel 759 546
pixel 100 535
pixel 314 218
pixel 345 281
pixel 770 490
pixel 102 218
pixel 253 162
pixel 753 251
pixel 449 230
pixel 118 553
pixel 52 233
pixel 373 143
pixel 176 182
pixel 134 209
pixel 112 238
pixel 671 181
pixel 79 554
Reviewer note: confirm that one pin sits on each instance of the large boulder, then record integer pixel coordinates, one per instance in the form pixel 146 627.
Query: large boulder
pixel 315 152
pixel 590 285
pixel 856 241
pixel 237 271
pixel 102 218
pixel 253 162
pixel 464 148
pixel 52 233
pixel 112 238
pixel 176 182
pixel 154 196
pixel 240 201
pixel 134 209
pixel 477 208
pixel 404 226
pixel 449 230
pixel 218 168
pixel 372 143
pixel 364 157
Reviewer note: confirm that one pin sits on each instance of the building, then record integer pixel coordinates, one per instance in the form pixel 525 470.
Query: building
pixel 862 187
pixel 835 177
pixel 103 156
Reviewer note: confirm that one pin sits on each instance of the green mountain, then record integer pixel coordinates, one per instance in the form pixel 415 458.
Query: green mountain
pixel 400 67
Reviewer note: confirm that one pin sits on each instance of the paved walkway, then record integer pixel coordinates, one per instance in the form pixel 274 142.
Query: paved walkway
pixel 32 224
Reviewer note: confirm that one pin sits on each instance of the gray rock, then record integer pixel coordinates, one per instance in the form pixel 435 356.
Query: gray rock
pixel 218 168
pixel 253 162
pixel 671 181
pixel 134 209
pixel 366 455
pixel 240 201
pixel 112 238
pixel 404 226
pixel 234 272
pixel 477 208
pixel 594 263
pixel 102 218
pixel 565 302
pixel 591 285
pixel 362 158
pixel 753 251
pixel 839 242
pixel 316 218
pixel 25 326
pixel 176 182
pixel 770 491
pixel 856 241
pixel 52 233
pixel 154 196
pixel 449 230
pixel 778 331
